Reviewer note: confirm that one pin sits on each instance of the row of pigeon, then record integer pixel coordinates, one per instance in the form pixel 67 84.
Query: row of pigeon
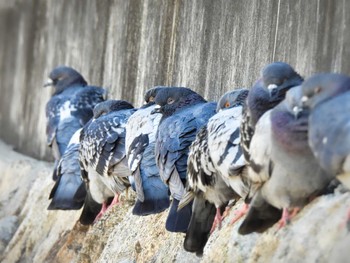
pixel 277 146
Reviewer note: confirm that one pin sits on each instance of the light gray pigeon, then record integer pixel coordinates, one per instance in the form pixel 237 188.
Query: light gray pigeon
pixel 215 160
pixel 141 129
pixel 283 170
pixel 328 97
pixel 184 113
pixel 102 152
pixel 69 108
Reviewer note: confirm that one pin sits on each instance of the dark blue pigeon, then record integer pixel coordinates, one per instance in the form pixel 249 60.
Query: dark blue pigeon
pixel 102 153
pixel 69 190
pixel 141 129
pixel 184 113
pixel 69 108
pixel 285 174
pixel 276 79
pixel 328 97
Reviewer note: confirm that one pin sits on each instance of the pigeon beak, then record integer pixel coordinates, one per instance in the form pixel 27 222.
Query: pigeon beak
pixel 271 88
pixel 304 100
pixel 297 110
pixel 156 110
pixel 48 83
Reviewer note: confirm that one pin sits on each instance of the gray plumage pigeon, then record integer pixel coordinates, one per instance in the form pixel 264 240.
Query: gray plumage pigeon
pixel 141 129
pixel 102 152
pixel 215 159
pixel 215 163
pixel 69 108
pixel 69 190
pixel 283 171
pixel 328 96
pixel 276 79
pixel 184 113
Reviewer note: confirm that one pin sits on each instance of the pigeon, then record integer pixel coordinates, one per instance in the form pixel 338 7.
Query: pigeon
pixel 102 152
pixel 276 79
pixel 215 160
pixel 141 128
pixel 327 96
pixel 69 190
pixel 69 108
pixel 184 112
pixel 283 169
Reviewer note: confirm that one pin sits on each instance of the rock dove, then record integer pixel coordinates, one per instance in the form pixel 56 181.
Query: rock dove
pixel 267 92
pixel 327 96
pixel 282 168
pixel 215 159
pixel 69 190
pixel 184 113
pixel 69 108
pixel 102 151
pixel 141 128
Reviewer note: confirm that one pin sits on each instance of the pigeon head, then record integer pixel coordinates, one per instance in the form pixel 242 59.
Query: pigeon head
pixel 63 77
pixel 278 77
pixel 169 100
pixel 150 95
pixel 322 87
pixel 108 106
pixel 232 99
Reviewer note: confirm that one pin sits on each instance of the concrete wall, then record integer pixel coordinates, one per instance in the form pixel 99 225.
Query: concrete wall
pixel 130 46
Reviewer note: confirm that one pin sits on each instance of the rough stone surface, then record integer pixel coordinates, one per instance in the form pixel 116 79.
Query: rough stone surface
pixel 129 46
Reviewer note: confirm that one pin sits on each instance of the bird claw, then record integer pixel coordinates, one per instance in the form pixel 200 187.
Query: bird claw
pixel 239 213
pixel 286 216
pixel 217 221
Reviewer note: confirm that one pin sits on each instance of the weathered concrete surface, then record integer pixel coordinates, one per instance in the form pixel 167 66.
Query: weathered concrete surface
pixel 30 233
pixel 129 46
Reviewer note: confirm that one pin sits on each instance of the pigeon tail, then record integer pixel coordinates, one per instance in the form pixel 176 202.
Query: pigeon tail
pixel 178 221
pixel 90 210
pixel 200 225
pixel 261 216
pixel 150 206
pixel 65 192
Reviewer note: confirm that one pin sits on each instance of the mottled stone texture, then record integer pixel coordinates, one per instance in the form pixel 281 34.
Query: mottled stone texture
pixel 129 46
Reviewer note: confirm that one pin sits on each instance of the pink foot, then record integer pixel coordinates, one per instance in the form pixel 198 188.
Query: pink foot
pixel 239 213
pixel 115 201
pixel 286 216
pixel 217 220
pixel 100 214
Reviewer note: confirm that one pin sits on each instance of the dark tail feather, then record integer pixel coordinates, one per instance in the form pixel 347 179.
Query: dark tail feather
pixel 90 210
pixel 55 171
pixel 178 221
pixel 260 217
pixel 150 206
pixel 199 228
pixel 64 192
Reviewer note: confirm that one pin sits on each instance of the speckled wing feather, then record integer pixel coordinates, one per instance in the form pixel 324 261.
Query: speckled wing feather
pixel 103 146
pixel 140 134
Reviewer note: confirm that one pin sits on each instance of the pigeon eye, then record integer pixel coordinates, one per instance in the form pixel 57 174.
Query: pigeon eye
pixel 317 90
pixel 227 104
pixel 170 101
